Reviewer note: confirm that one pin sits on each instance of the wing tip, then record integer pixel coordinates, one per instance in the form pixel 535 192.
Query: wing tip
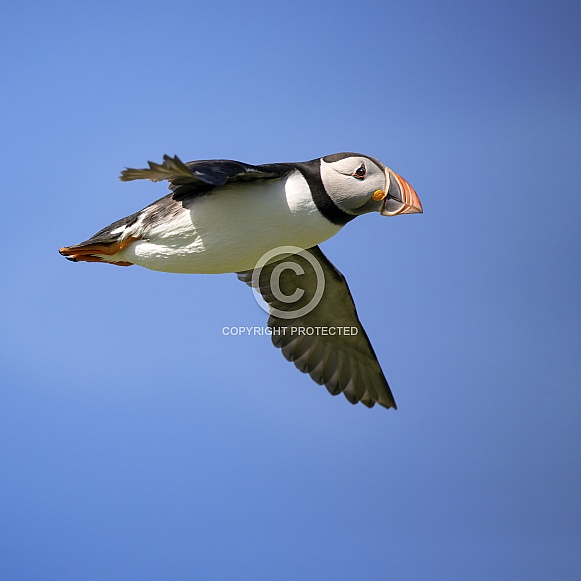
pixel 170 168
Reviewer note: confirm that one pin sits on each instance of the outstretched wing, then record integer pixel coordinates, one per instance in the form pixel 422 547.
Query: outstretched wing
pixel 327 342
pixel 195 177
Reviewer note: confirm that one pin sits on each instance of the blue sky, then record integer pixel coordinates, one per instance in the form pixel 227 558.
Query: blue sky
pixel 138 442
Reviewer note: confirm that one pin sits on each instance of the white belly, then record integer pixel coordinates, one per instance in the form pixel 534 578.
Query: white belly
pixel 230 230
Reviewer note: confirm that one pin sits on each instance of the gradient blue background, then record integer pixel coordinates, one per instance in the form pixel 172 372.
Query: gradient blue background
pixel 138 442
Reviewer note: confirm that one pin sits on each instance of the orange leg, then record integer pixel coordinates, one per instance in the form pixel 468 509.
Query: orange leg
pixel 87 253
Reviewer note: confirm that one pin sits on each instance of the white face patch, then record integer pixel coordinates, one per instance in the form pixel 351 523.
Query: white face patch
pixel 351 181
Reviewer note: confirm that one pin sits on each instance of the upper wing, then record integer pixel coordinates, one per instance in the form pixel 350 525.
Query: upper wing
pixel 329 343
pixel 195 177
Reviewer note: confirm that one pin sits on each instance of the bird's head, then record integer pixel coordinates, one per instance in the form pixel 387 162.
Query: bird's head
pixel 359 184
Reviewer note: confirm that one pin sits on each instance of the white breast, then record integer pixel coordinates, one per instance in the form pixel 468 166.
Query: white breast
pixel 229 230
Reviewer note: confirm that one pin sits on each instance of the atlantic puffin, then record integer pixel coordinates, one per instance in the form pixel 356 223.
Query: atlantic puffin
pixel 225 216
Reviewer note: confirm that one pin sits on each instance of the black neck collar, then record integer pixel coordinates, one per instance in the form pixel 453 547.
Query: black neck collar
pixel 311 170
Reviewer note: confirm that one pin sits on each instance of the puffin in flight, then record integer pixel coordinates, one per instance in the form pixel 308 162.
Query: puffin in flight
pixel 264 223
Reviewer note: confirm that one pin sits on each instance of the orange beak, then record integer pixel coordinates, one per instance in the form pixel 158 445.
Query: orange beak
pixel 401 198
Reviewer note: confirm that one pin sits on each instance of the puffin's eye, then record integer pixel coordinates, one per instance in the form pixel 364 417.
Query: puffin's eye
pixel 360 172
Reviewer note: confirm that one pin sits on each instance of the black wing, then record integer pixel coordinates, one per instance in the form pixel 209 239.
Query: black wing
pixel 196 177
pixel 329 342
